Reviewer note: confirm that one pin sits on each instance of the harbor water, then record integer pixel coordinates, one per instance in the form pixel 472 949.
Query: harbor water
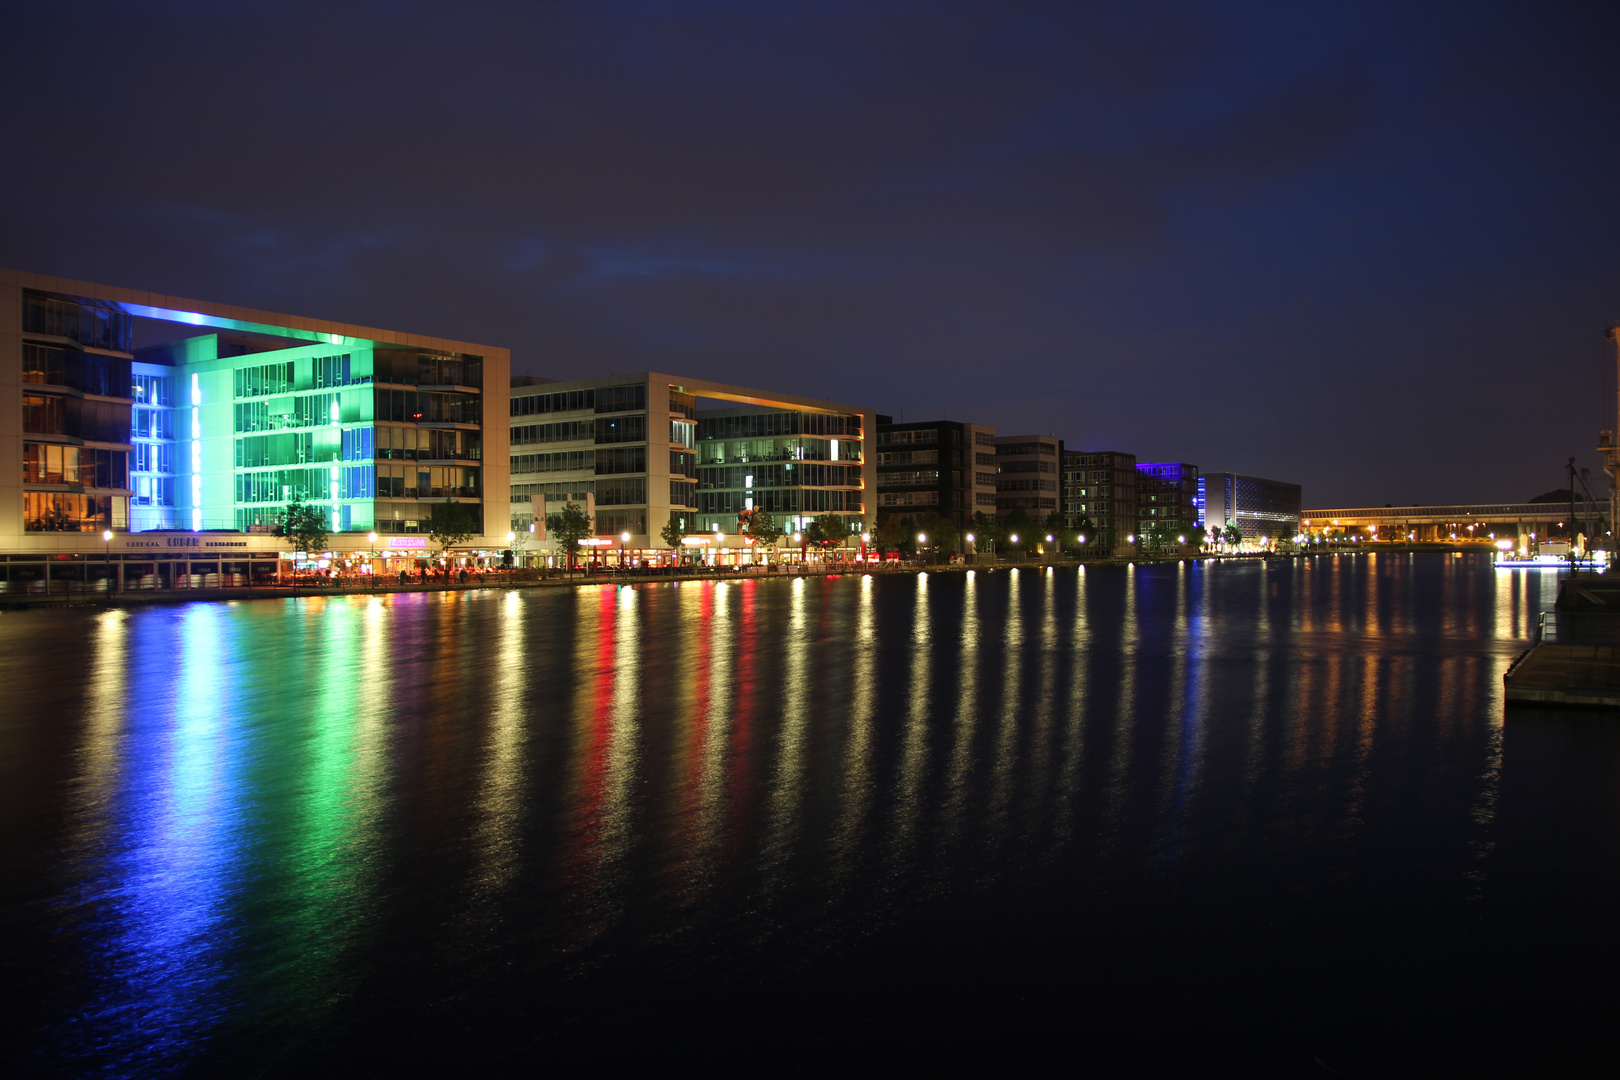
pixel 1262 816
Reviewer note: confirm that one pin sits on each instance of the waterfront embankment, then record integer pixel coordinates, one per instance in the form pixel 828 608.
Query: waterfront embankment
pixel 361 586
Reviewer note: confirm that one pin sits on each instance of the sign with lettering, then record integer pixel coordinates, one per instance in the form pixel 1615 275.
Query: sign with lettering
pixel 407 541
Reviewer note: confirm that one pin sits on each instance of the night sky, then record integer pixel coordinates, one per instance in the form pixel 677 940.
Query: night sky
pixel 1371 249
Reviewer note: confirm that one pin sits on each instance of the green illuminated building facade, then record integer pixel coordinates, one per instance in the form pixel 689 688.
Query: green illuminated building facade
pixel 227 415
pixel 373 435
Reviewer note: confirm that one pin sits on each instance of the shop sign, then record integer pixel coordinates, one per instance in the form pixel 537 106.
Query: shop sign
pixel 407 541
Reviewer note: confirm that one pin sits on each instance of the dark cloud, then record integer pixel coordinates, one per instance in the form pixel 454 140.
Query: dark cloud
pixel 1317 243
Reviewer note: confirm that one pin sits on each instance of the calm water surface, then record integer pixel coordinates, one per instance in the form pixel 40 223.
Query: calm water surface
pixel 1258 816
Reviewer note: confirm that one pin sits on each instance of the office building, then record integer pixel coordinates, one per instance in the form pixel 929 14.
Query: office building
pixel 1028 471
pixel 936 466
pixel 1167 499
pixel 1099 498
pixel 1261 509
pixel 646 452
pixel 141 414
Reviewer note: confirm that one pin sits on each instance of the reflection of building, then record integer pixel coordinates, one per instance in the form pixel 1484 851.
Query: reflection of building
pixel 1099 486
pixel 1167 496
pixel 1261 509
pixel 936 466
pixel 641 447
pixel 1027 475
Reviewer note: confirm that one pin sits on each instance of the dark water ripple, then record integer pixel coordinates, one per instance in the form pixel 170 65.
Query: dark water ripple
pixel 1263 817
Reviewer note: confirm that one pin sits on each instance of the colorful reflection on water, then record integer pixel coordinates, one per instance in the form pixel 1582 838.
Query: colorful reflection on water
pixel 247 831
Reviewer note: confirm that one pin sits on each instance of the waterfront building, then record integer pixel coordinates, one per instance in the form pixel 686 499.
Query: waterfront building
pixel 1028 468
pixel 1167 496
pixel 642 447
pixel 1099 487
pixel 1261 509
pixel 197 441
pixel 946 467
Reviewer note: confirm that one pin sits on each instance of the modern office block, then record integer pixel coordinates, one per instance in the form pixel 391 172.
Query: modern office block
pixel 936 466
pixel 227 417
pixel 1167 495
pixel 640 445
pixel 1261 509
pixel 1028 471
pixel 1099 487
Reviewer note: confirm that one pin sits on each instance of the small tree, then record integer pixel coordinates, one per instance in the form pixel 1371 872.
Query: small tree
pixel 450 524
pixel 1054 526
pixel 832 529
pixel 1083 527
pixel 1018 524
pixel 568 528
pixel 305 525
pixel 1234 535
pixel 891 533
pixel 765 529
pixel 673 532
pixel 520 541
pixel 941 532
pixel 985 529
pixel 823 530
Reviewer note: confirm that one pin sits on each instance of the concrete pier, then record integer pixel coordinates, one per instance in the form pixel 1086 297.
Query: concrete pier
pixel 1576 658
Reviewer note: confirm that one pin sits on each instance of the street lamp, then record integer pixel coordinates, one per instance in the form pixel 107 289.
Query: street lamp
pixel 106 538
pixel 624 538
pixel 922 539
pixel 798 538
